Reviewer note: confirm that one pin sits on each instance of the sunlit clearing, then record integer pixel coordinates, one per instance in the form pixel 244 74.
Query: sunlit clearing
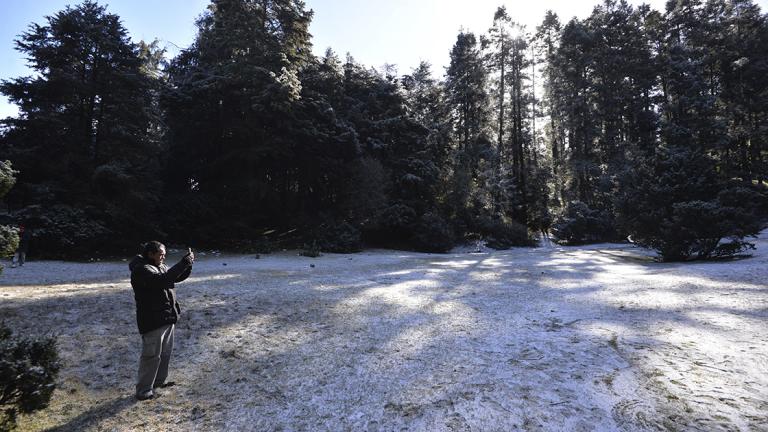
pixel 398 273
pixel 214 277
pixel 455 264
pixel 64 290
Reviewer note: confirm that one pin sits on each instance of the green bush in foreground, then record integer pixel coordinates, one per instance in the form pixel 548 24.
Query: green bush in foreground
pixel 28 370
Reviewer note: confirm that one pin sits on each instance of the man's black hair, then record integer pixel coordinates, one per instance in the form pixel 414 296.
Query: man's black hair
pixel 151 247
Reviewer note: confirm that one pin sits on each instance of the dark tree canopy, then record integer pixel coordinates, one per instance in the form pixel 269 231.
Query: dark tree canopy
pixel 650 123
pixel 82 141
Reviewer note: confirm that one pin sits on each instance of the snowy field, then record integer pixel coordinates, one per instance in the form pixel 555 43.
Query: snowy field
pixel 596 338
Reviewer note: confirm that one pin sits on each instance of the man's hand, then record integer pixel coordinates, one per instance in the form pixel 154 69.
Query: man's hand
pixel 189 257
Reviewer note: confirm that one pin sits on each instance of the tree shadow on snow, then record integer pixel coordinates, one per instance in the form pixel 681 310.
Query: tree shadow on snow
pixel 91 417
pixel 418 356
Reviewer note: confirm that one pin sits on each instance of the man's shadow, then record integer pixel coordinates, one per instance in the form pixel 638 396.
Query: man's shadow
pixel 97 413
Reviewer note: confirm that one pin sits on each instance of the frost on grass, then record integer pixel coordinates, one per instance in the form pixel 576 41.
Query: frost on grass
pixel 558 338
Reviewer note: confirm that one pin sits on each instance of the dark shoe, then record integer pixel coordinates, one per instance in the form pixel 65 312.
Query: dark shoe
pixel 145 396
pixel 166 384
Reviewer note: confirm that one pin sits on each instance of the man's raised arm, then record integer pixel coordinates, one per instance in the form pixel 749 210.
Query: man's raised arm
pixel 152 274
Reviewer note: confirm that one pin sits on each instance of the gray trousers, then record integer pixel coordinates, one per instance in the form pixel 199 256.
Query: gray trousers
pixel 18 258
pixel 156 348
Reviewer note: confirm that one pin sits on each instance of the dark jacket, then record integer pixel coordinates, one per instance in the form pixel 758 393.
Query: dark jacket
pixel 153 288
pixel 24 238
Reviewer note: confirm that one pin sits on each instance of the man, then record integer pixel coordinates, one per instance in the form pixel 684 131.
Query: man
pixel 157 312
pixel 25 235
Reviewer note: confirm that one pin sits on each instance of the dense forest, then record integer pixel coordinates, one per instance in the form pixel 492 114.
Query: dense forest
pixel 631 123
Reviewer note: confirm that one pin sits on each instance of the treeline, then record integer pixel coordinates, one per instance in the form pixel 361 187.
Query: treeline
pixel 631 122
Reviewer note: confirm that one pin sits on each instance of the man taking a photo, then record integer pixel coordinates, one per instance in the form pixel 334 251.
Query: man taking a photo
pixel 157 312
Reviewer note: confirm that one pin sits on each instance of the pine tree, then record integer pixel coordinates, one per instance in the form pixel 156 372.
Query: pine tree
pixel 571 92
pixel 689 108
pixel 500 43
pixel 402 129
pixel 521 153
pixel 246 136
pixel 81 141
pixel 737 41
pixel 682 201
pixel 548 36
pixel 467 100
pixel 602 82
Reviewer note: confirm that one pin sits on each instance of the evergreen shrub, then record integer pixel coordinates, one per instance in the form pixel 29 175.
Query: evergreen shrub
pixel 580 224
pixel 62 230
pixel 28 370
pixel 338 237
pixel 677 204
pixel 433 234
pixel 502 233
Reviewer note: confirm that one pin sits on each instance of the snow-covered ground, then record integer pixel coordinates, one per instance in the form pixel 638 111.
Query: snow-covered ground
pixel 549 339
